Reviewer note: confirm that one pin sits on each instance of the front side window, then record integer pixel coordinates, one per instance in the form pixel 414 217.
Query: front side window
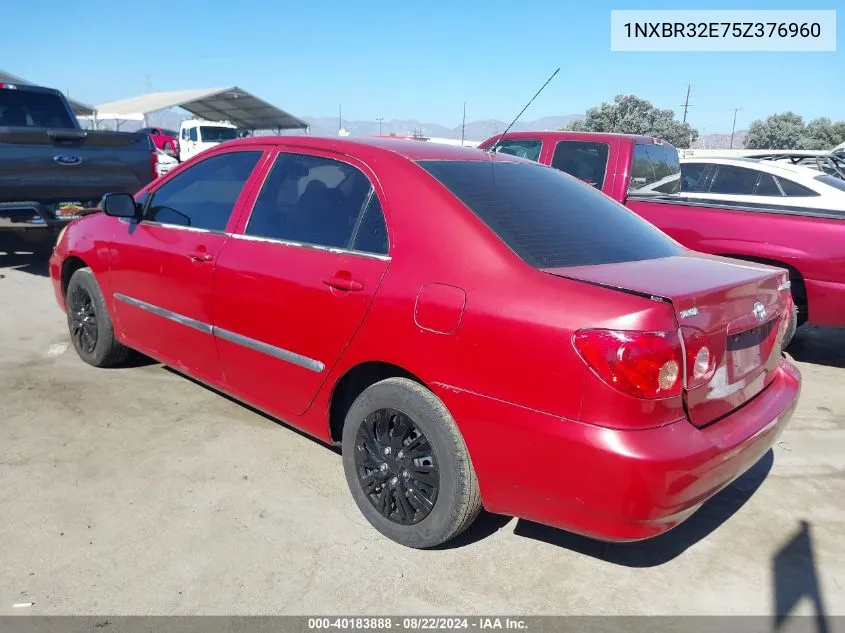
pixel 547 218
pixel 320 201
pixel 735 181
pixel 193 134
pixel 586 160
pixel 656 170
pixel 523 147
pixel 216 134
pixel 691 176
pixel 203 195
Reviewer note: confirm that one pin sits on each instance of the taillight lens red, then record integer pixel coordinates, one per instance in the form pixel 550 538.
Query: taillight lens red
pixel 154 164
pixel 645 365
pixel 700 357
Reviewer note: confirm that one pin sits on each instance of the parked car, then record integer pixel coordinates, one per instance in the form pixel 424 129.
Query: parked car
pixel 197 136
pixel 165 140
pixel 644 174
pixel 453 320
pixel 774 185
pixel 51 170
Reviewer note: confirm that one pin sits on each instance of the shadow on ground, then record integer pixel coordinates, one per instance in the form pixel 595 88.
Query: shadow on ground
pixel 30 256
pixel 664 548
pixel 819 345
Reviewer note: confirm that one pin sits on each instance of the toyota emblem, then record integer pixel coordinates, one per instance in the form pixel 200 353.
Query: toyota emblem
pixel 760 312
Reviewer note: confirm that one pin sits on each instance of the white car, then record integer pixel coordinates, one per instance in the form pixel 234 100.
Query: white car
pixel 761 183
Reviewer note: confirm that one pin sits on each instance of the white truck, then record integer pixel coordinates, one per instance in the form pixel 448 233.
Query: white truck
pixel 196 136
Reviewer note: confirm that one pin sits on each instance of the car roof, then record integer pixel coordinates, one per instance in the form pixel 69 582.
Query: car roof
pixel 413 150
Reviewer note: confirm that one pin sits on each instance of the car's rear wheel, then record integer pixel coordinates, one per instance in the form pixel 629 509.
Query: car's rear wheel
pixel 89 322
pixel 407 466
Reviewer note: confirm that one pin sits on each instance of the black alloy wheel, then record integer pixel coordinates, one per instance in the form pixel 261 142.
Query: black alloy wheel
pixel 83 318
pixel 396 466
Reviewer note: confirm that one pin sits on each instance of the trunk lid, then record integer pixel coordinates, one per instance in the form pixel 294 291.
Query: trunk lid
pixel 738 306
pixel 70 167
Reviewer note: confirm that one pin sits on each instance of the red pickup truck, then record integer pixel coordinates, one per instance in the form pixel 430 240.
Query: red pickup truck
pixel 644 174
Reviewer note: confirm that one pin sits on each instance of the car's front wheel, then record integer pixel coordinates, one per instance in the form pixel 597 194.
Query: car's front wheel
pixel 407 465
pixel 89 322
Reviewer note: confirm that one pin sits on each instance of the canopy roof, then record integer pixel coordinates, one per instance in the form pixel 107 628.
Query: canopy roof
pixel 213 104
pixel 78 107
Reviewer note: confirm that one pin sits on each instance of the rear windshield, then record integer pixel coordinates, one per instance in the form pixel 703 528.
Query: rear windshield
pixel 833 181
pixel 656 170
pixel 28 108
pixel 548 218
pixel 215 134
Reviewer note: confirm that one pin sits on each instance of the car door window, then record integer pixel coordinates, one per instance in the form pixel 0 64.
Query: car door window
pixel 524 148
pixel 192 134
pixel 370 236
pixel 203 195
pixel 586 160
pixel 656 170
pixel 767 186
pixel 793 189
pixel 319 201
pixel 736 181
pixel 691 176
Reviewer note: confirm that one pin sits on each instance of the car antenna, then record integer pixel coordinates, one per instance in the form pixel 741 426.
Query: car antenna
pixel 492 148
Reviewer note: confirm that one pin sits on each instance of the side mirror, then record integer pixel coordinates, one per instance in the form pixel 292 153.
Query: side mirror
pixel 120 205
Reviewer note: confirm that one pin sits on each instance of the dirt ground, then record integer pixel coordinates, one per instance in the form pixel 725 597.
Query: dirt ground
pixel 138 491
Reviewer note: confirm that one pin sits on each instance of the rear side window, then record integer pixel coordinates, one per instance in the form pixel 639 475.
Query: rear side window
pixel 586 160
pixel 766 186
pixel 28 108
pixel 548 219
pixel 203 195
pixel 833 181
pixel 793 189
pixel 320 201
pixel 691 176
pixel 656 170
pixel 736 181
pixel 523 147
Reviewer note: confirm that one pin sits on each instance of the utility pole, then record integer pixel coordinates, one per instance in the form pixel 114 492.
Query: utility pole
pixel 148 82
pixel 339 118
pixel 733 127
pixel 463 123
pixel 379 119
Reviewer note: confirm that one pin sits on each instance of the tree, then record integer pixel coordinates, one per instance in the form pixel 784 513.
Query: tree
pixel 628 114
pixel 779 131
pixel 823 134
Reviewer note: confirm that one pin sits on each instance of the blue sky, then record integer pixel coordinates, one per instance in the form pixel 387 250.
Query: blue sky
pixel 408 60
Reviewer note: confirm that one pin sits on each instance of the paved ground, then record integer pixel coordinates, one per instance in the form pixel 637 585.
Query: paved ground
pixel 137 491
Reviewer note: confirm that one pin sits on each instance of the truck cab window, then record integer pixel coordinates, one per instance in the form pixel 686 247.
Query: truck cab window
pixel 586 160
pixel 523 147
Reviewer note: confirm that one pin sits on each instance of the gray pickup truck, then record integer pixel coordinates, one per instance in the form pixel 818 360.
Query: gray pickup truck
pixel 51 170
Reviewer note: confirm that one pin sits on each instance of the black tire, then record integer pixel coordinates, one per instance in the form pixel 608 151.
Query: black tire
pixel 456 501
pixel 89 322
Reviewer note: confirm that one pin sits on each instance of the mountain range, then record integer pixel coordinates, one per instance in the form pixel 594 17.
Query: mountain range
pixel 473 131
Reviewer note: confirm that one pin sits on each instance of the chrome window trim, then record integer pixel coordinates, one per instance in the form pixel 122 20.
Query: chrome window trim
pixel 317 247
pixel 193 229
pixel 227 335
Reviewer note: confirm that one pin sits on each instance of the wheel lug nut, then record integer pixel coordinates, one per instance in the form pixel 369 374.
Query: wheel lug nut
pixel 387 450
pixel 394 480
pixel 401 454
pixel 383 467
pixel 406 474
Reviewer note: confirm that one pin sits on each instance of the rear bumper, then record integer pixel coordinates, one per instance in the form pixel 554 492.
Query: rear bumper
pixel 826 302
pixel 28 215
pixel 610 484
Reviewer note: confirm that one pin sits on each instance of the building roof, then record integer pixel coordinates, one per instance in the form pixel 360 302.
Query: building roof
pixel 79 108
pixel 213 104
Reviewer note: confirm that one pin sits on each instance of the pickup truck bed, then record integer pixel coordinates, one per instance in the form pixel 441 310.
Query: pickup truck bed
pixel 639 172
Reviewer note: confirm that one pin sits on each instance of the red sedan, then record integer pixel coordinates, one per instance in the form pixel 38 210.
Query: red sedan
pixel 472 328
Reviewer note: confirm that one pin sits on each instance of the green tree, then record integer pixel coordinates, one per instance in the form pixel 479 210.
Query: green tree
pixel 779 131
pixel 823 134
pixel 628 114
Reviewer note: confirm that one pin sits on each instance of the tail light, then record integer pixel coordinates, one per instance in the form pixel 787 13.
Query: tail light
pixel 700 361
pixel 154 164
pixel 645 365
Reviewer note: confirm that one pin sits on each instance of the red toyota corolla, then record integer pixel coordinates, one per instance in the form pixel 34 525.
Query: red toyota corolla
pixel 473 329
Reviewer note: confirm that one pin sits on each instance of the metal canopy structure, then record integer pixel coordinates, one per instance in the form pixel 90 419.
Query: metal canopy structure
pixel 79 108
pixel 237 106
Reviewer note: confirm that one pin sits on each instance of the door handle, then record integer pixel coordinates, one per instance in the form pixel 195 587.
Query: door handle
pixel 201 257
pixel 343 283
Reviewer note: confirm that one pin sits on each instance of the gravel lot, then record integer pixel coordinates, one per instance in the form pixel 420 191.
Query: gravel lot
pixel 138 491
